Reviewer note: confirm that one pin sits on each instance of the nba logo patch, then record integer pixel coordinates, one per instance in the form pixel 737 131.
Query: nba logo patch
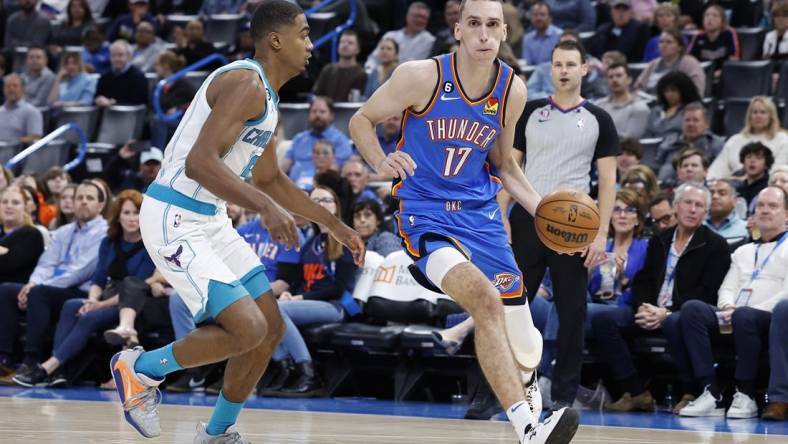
pixel 491 107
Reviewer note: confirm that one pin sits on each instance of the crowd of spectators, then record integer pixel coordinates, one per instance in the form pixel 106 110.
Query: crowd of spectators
pixel 696 251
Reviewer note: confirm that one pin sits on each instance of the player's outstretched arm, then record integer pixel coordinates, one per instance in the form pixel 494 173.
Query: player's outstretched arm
pixel 410 86
pixel 268 177
pixel 234 98
pixel 514 181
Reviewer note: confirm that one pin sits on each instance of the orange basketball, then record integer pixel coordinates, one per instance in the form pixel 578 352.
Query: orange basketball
pixel 567 220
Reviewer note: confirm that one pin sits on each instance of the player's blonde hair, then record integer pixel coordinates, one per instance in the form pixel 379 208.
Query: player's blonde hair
pixel 464 2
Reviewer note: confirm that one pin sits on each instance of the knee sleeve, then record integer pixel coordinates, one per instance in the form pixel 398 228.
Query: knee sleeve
pixel 440 262
pixel 524 339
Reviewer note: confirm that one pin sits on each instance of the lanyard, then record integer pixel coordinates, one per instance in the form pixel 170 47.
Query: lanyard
pixel 757 270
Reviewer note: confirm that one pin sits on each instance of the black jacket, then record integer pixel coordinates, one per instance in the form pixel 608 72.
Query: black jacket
pixel 699 271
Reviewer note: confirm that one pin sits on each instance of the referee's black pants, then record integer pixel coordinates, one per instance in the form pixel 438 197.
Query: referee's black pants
pixel 570 283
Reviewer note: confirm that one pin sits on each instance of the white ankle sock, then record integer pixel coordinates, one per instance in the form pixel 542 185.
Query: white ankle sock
pixel 520 416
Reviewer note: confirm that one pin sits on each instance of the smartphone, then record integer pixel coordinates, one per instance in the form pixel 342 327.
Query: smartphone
pixel 140 146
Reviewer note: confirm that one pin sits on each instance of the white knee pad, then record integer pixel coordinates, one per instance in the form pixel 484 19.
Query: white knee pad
pixel 440 262
pixel 524 339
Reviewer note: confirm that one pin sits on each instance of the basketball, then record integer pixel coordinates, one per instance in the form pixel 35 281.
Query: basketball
pixel 567 220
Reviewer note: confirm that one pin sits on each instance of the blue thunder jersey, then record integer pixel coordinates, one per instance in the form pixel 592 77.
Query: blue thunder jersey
pixel 450 139
pixel 271 253
pixel 172 185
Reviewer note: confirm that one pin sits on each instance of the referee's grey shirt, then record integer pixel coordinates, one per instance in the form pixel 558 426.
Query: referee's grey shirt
pixel 559 145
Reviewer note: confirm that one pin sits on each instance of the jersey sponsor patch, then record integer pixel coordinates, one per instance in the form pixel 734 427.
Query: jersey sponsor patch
pixel 491 107
pixel 505 281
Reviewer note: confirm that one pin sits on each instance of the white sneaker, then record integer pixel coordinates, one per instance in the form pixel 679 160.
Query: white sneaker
pixel 705 405
pixel 558 428
pixel 138 393
pixel 742 407
pixel 533 396
pixel 230 436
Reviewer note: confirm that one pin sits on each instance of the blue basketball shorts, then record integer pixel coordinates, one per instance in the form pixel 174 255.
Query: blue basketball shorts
pixel 475 229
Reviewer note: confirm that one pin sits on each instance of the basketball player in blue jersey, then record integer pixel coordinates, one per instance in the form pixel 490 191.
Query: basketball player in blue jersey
pixel 224 137
pixel 454 154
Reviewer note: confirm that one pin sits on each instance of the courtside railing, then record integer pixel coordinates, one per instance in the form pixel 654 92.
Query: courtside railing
pixel 46 140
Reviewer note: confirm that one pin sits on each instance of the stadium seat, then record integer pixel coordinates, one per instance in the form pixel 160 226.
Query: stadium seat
pixel 586 37
pixel 735 112
pixel 20 56
pixel 222 28
pixel 46 118
pixel 746 78
pixel 709 71
pixel 86 117
pixel 9 150
pixel 294 117
pixel 178 21
pixel 343 112
pixel 650 147
pixel 119 124
pixel 55 153
pixel 782 84
pixel 195 78
pixel 635 69
pixel 751 42
pixel 152 79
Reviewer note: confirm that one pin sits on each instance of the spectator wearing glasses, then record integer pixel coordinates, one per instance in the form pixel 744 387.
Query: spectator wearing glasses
pixel 753 287
pixel 683 263
pixel 609 285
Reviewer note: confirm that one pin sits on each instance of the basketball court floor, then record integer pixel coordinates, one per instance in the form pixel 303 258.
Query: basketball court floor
pixel 87 415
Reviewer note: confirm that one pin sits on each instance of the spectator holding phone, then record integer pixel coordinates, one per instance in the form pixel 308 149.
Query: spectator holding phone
pixel 134 166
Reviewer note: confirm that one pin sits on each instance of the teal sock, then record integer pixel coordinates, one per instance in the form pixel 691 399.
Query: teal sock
pixel 158 363
pixel 224 415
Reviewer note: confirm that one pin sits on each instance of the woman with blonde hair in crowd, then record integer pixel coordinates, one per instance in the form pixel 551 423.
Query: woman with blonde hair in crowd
pixel 666 16
pixel 388 60
pixel 72 86
pixel 20 242
pixel 761 124
pixel 642 179
pixel 123 262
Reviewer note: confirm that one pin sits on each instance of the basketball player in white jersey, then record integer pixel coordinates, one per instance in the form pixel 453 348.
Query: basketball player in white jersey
pixel 225 136
pixel 460 113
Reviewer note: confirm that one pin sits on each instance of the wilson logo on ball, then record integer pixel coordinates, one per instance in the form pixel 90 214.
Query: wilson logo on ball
pixel 567 236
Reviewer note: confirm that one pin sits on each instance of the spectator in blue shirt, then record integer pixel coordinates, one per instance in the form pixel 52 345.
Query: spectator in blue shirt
pixel 63 272
pixel 538 44
pixel 123 265
pixel 578 15
pixel 323 159
pixel 389 132
pixel 321 117
pixel 95 52
pixel 356 173
pixel 275 257
pixel 722 218
pixel 72 87
pixel 125 26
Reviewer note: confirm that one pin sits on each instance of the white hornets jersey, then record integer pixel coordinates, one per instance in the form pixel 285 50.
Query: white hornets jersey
pixel 240 157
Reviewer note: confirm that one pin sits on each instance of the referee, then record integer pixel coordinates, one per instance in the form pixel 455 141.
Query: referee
pixel 560 137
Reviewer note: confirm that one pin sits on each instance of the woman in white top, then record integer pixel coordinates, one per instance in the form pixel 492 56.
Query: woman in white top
pixel 761 125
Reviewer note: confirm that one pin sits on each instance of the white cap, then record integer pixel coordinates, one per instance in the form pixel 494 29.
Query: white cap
pixel 152 154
